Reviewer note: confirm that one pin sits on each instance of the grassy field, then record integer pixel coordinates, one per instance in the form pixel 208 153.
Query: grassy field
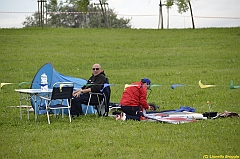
pixel 178 56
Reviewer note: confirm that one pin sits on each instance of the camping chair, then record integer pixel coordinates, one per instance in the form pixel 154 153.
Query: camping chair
pixel 103 98
pixel 59 99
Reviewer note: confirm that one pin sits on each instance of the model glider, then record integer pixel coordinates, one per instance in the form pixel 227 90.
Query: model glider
pixel 19 85
pixel 155 85
pixel 173 117
pixel 105 85
pixel 205 86
pixel 129 85
pixel 177 85
pixel 2 84
pixel 232 86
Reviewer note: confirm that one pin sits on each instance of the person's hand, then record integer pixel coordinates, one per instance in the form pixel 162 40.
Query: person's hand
pixel 74 94
pixel 77 93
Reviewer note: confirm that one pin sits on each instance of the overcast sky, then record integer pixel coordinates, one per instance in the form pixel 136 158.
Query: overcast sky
pixel 143 13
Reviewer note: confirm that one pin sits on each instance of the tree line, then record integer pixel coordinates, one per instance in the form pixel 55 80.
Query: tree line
pixel 82 14
pixel 76 14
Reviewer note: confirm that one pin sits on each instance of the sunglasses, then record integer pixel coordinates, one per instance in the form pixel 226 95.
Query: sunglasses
pixel 95 69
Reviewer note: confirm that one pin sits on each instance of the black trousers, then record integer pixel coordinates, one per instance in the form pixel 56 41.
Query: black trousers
pixel 132 112
pixel 76 106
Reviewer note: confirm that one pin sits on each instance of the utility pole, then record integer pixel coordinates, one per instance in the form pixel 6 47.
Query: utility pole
pixel 41 4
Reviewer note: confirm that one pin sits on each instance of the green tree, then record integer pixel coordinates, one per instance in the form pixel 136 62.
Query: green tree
pixel 183 6
pixel 168 4
pixel 78 14
pixel 98 21
pixel 31 21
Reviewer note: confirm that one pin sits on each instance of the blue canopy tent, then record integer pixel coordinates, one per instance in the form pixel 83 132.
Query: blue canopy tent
pixel 52 77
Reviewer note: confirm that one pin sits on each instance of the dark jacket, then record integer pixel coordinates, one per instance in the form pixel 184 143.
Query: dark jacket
pixel 95 82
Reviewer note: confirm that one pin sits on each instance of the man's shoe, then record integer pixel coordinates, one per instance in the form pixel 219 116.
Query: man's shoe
pixel 122 116
pixel 117 117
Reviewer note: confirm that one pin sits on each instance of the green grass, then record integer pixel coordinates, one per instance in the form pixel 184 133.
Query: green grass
pixel 167 57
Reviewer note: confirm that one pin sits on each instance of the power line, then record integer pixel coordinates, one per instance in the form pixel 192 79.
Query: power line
pixel 210 17
pixel 130 15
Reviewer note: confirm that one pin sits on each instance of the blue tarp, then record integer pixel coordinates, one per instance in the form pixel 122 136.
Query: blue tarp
pixel 52 77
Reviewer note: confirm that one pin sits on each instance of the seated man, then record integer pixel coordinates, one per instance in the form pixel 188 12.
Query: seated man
pixel 94 84
pixel 134 100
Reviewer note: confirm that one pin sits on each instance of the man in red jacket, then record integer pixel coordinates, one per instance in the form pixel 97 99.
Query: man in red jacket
pixel 134 100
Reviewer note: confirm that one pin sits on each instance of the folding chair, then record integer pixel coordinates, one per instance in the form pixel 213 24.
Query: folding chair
pixel 60 98
pixel 103 98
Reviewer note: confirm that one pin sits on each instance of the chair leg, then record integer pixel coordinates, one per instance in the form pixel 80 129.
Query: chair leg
pixel 48 117
pixel 98 106
pixel 69 115
pixel 86 110
pixel 69 107
pixel 88 103
pixel 98 111
pixel 101 109
pixel 36 115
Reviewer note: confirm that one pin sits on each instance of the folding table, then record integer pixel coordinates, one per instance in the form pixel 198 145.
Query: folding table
pixel 28 95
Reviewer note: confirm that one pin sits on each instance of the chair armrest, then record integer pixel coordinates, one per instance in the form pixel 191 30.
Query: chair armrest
pixel 45 98
pixel 96 93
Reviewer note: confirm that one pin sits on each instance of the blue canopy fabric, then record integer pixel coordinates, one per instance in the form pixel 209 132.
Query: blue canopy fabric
pixel 52 77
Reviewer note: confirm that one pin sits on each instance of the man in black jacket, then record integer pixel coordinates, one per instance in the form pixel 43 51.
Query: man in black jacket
pixel 94 84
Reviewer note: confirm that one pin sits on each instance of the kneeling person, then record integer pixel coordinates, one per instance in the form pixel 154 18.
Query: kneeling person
pixel 134 100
